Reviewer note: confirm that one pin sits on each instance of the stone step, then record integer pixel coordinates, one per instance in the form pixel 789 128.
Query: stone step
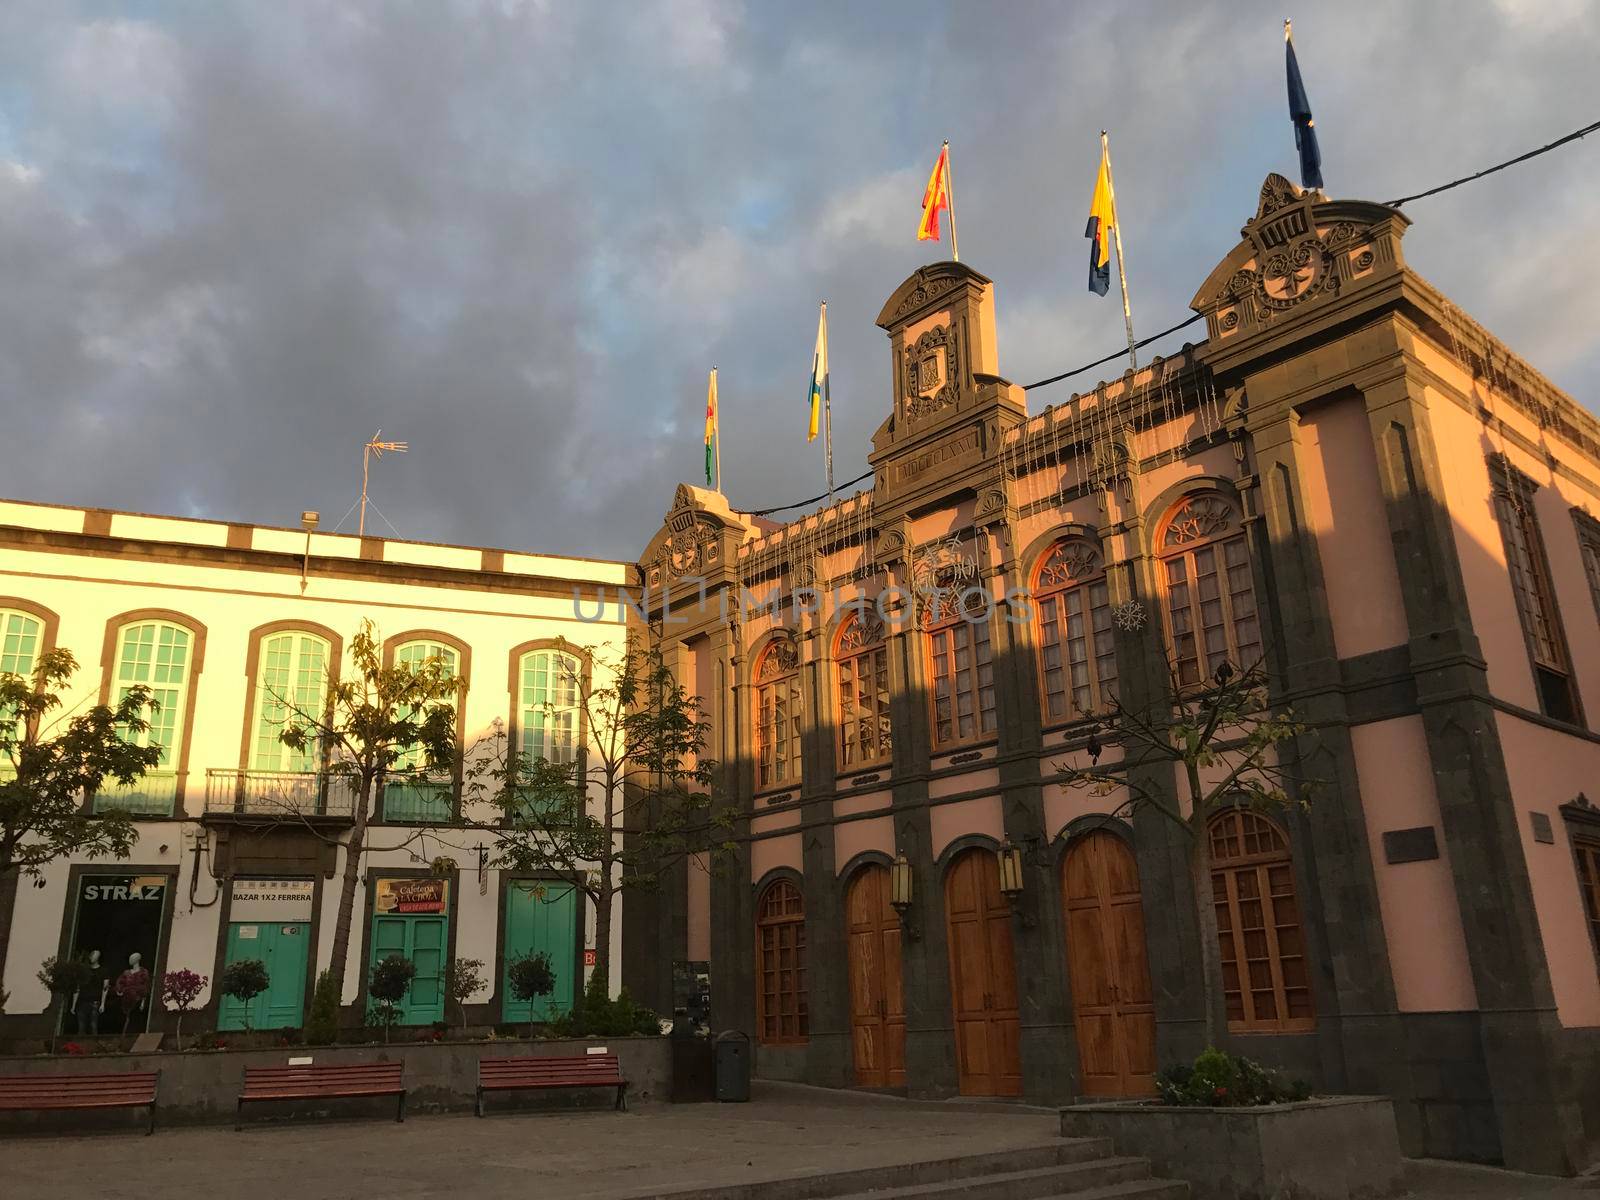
pixel 1134 1189
pixel 1056 1152
pixel 1074 1179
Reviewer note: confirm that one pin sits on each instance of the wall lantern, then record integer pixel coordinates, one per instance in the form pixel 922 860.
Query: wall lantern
pixel 901 888
pixel 1009 858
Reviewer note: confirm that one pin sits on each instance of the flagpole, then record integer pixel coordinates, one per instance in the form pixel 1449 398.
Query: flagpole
pixel 716 435
pixel 827 396
pixel 950 183
pixel 1116 235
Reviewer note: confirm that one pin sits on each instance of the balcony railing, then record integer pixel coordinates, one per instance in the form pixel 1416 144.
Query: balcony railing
pixel 282 794
pixel 418 802
pixel 151 795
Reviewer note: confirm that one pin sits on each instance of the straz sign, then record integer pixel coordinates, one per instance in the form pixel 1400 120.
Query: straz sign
pixel 136 888
pixel 412 896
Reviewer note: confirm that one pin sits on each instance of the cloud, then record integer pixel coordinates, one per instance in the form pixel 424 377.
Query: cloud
pixel 516 233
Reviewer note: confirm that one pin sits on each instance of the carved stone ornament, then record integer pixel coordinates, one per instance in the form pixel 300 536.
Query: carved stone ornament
pixel 1068 562
pixel 693 547
pixel 781 657
pixel 931 373
pixel 862 629
pixel 927 291
pixel 1198 518
pixel 942 565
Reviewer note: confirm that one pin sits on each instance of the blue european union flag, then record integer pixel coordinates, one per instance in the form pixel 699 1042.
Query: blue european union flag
pixel 1305 130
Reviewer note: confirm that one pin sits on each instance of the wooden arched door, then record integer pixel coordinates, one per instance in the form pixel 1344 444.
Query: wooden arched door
pixel 983 978
pixel 1110 974
pixel 877 999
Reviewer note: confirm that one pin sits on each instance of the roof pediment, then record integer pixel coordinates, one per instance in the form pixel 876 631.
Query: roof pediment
pixel 928 287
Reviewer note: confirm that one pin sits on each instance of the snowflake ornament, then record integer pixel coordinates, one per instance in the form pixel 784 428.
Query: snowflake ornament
pixel 1129 616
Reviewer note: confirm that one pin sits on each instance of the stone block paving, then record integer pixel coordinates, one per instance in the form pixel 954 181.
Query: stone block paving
pixel 786 1131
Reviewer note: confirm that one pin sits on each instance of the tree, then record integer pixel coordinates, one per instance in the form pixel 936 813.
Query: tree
pixel 43 779
pixel 642 771
pixel 463 979
pixel 244 981
pixel 1222 739
pixel 390 981
pixel 531 978
pixel 65 977
pixel 179 990
pixel 371 719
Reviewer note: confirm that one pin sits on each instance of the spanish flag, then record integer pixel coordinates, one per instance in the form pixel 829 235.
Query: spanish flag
pixel 713 467
pixel 819 373
pixel 936 196
pixel 1102 218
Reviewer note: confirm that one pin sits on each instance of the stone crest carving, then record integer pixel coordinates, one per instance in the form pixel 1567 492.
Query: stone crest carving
pixel 927 291
pixel 931 372
pixel 693 545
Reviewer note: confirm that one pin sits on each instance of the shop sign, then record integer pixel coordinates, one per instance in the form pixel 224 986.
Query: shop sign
pixel 124 887
pixel 412 896
pixel 591 956
pixel 271 901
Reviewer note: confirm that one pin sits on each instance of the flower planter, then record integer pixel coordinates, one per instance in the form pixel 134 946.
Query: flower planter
pixel 1338 1148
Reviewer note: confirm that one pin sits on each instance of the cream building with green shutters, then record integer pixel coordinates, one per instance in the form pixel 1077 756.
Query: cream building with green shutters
pixel 238 846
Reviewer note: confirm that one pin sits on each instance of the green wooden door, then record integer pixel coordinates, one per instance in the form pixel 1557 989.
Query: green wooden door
pixel 283 948
pixel 424 940
pixel 548 923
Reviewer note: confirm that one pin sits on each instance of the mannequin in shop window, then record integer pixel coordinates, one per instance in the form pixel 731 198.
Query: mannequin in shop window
pixel 91 997
pixel 133 985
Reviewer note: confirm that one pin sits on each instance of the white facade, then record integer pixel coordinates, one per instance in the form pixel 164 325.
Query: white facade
pixel 82 576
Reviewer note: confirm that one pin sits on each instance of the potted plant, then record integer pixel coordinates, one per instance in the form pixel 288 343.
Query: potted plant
pixel 391 980
pixel 531 979
pixel 244 981
pixel 179 990
pixel 1237 1130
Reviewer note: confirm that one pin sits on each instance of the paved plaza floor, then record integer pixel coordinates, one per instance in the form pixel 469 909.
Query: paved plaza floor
pixel 784 1131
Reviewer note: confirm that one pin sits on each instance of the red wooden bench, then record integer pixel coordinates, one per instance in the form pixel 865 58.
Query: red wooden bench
pixel 131 1089
pixel 320 1083
pixel 535 1074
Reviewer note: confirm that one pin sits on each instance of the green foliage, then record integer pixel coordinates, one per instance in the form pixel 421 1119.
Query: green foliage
pixel 463 979
pixel 322 1028
pixel 63 976
pixel 1221 1080
pixel 244 980
pixel 43 779
pixel 390 980
pixel 598 1015
pixel 531 976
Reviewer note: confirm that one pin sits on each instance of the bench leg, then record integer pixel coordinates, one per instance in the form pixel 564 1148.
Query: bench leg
pixel 238 1116
pixel 622 1098
pixel 400 1109
pixel 152 1127
pixel 478 1107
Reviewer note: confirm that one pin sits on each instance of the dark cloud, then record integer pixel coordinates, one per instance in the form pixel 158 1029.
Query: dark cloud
pixel 236 240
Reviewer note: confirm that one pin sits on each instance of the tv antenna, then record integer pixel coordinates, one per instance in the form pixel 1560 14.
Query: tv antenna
pixel 373 449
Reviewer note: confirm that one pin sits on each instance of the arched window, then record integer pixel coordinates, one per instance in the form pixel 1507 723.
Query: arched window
pixel 781 964
pixel 861 665
pixel 156 655
pixel 290 681
pixel 20 635
pixel 1264 974
pixel 548 705
pixel 960 673
pixel 1077 650
pixel 418 800
pixel 777 684
pixel 1211 603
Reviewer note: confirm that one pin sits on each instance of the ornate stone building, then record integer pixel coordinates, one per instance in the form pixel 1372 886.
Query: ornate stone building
pixel 1348 480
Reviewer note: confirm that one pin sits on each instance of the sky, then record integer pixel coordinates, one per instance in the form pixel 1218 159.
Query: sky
pixel 236 239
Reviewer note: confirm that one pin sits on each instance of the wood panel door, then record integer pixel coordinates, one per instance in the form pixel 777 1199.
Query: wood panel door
pixel 983 978
pixel 1111 998
pixel 877 998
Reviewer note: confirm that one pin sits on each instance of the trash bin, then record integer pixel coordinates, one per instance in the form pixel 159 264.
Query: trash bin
pixel 733 1066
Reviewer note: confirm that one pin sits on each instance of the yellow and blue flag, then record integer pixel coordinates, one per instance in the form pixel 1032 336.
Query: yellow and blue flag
pixel 1102 220
pixel 713 471
pixel 819 374
pixel 1305 129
